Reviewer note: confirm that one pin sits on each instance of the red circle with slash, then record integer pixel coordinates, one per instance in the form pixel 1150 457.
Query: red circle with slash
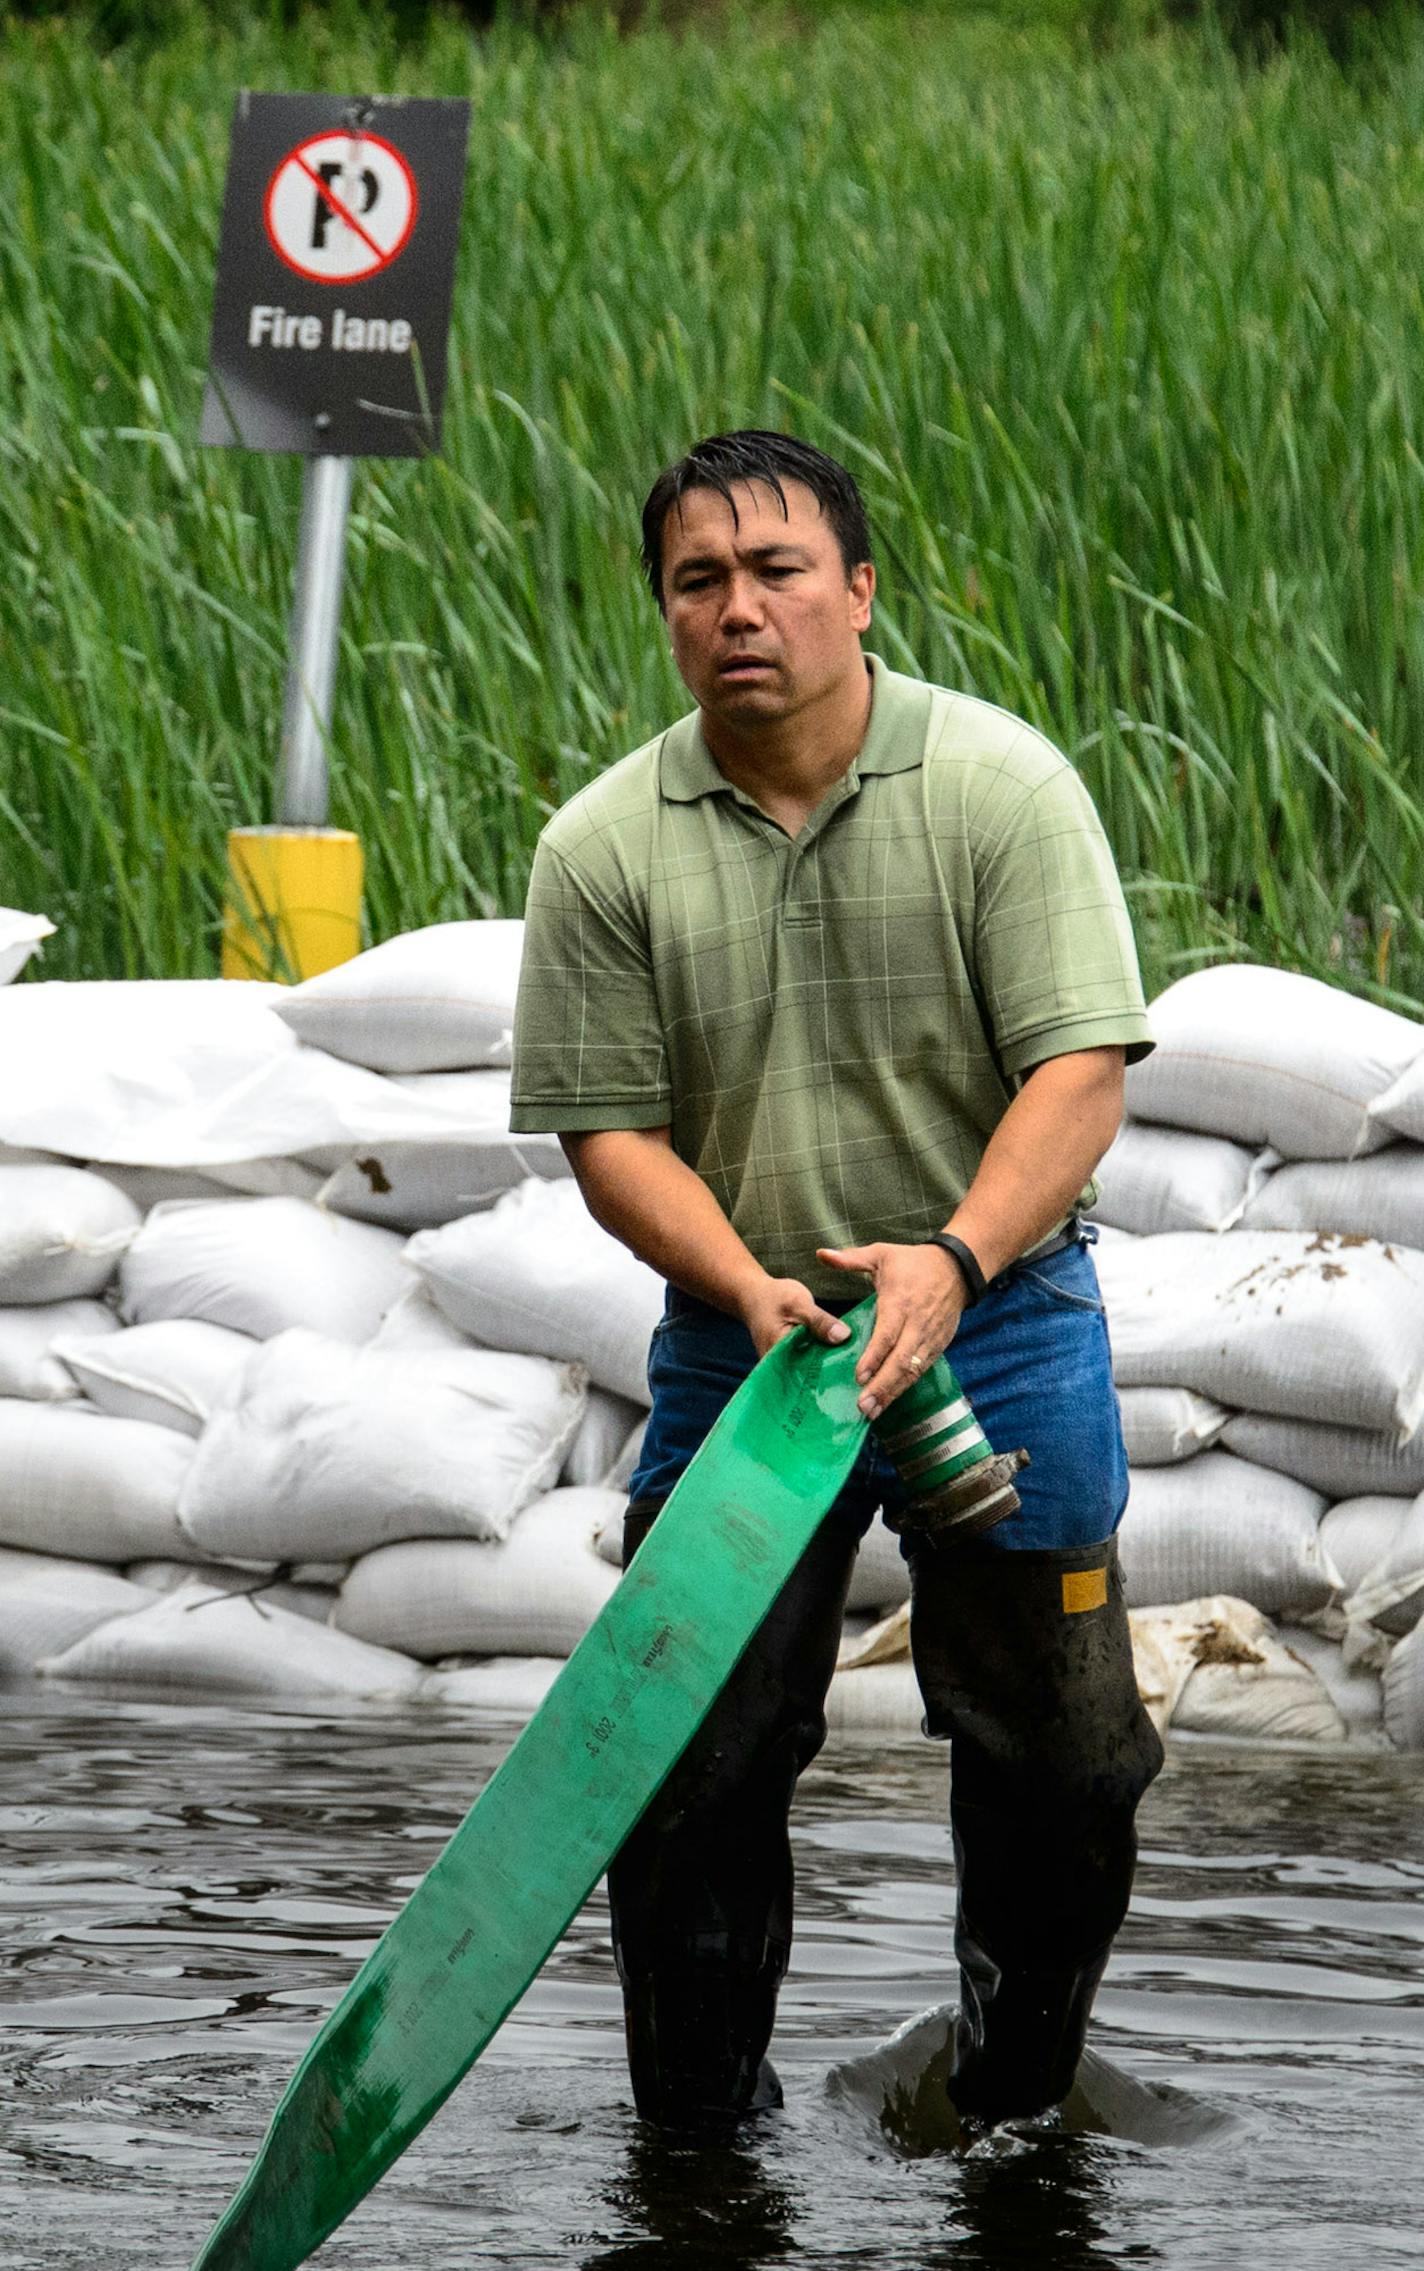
pixel 340 207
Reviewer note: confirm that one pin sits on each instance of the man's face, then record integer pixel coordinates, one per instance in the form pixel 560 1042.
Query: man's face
pixel 761 615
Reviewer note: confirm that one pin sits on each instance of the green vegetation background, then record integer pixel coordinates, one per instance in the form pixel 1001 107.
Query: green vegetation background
pixel 1118 323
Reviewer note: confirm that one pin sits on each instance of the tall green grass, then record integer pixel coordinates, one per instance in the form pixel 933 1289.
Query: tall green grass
pixel 1125 350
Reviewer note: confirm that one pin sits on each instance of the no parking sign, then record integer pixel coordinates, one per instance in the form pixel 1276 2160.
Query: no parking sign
pixel 335 272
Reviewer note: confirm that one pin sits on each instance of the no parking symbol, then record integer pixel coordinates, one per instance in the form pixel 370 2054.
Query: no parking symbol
pixel 341 207
pixel 335 274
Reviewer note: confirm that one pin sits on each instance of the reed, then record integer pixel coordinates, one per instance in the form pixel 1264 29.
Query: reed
pixel 1125 348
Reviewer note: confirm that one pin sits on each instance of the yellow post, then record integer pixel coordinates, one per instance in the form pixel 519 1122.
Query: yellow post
pixel 294 904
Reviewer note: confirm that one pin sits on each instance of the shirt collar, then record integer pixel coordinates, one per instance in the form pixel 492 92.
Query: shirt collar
pixel 894 740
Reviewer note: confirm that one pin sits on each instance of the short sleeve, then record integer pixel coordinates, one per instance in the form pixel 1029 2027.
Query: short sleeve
pixel 588 1040
pixel 1056 958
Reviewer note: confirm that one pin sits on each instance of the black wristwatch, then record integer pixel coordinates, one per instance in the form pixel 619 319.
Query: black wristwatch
pixel 968 1262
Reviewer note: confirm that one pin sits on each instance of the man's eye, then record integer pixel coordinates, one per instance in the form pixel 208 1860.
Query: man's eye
pixel 778 571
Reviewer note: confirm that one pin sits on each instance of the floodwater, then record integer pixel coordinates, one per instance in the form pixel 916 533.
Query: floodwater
pixel 185 1890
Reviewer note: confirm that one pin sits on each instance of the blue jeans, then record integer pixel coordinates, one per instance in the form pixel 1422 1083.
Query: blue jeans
pixel 1032 1356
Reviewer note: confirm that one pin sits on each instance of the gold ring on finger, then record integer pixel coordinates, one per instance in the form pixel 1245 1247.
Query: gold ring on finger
pixel 916 1363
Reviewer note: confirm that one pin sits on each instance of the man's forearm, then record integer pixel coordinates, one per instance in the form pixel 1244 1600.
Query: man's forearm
pixel 1040 1155
pixel 634 1184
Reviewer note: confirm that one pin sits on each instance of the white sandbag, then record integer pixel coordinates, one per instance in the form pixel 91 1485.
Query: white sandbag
pixel 50 1608
pixel 419 1186
pixel 537 1272
pixel 508 1687
pixel 1344 1462
pixel 20 936
pixel 881 1576
pixel 194 1074
pixel 303 1600
pixel 534 1595
pixel 1390 1595
pixel 1161 1426
pixel 1359 1532
pixel 1154 1179
pixel 603 1431
pixel 149 1187
pixel 62 1231
pixel 1400 1110
pixel 608 1537
pixel 1382 1197
pixel 320 1449
pixel 260 1266
pixel 886 1640
pixel 417 1321
pixel 198 1638
pixel 1358 1696
pixel 1306 1326
pixel 1249 1685
pixel 1403 1690
pixel 90 1066
pixel 16 1562
pixel 1165 1645
pixel 431 999
pixel 171 1372
pixel 1215 1525
pixel 620 1474
pixel 876 1699
pixel 1264 1056
pixel 73 1481
pixel 28 1365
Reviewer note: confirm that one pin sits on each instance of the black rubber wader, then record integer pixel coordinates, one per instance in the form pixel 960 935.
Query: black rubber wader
pixel 1024 1660
pixel 701 1892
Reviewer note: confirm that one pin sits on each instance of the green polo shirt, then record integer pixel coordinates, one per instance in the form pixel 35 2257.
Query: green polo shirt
pixel 832 1025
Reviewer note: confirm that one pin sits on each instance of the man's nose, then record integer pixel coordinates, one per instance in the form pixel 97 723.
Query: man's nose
pixel 742 604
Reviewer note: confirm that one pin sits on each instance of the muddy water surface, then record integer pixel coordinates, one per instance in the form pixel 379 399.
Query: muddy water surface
pixel 185 1890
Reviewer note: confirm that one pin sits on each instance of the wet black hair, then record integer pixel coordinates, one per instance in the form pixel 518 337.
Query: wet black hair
pixel 754 455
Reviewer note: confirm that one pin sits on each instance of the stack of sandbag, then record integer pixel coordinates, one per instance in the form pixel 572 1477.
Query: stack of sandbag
pixel 256 1174
pixel 1262 1266
pixel 190 1088
pixel 221 1351
pixel 205 1386
pixel 280 1378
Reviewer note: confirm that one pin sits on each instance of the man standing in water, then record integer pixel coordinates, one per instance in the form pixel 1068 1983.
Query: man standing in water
pixel 836 968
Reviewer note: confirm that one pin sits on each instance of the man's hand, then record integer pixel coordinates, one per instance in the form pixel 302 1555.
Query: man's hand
pixel 919 1298
pixel 774 1306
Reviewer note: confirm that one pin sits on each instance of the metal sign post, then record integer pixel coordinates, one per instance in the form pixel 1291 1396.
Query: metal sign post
pixel 331 314
pixel 302 784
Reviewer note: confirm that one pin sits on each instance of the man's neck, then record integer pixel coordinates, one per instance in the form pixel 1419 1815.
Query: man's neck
pixel 794 760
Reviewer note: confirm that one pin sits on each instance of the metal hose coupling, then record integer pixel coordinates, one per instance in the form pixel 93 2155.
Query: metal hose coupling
pixel 958 1485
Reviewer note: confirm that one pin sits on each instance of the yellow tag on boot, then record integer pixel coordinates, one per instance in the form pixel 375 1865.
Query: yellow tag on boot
pixel 1084 1589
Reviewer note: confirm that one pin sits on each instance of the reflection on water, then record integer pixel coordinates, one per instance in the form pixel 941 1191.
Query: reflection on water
pixel 184 1892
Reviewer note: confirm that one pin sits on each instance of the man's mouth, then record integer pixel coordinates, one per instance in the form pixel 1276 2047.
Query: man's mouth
pixel 742 666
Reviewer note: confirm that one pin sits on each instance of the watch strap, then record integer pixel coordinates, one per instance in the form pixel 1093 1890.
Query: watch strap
pixel 968 1262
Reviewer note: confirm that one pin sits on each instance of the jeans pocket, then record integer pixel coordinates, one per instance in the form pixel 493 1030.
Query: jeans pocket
pixel 1081 1291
